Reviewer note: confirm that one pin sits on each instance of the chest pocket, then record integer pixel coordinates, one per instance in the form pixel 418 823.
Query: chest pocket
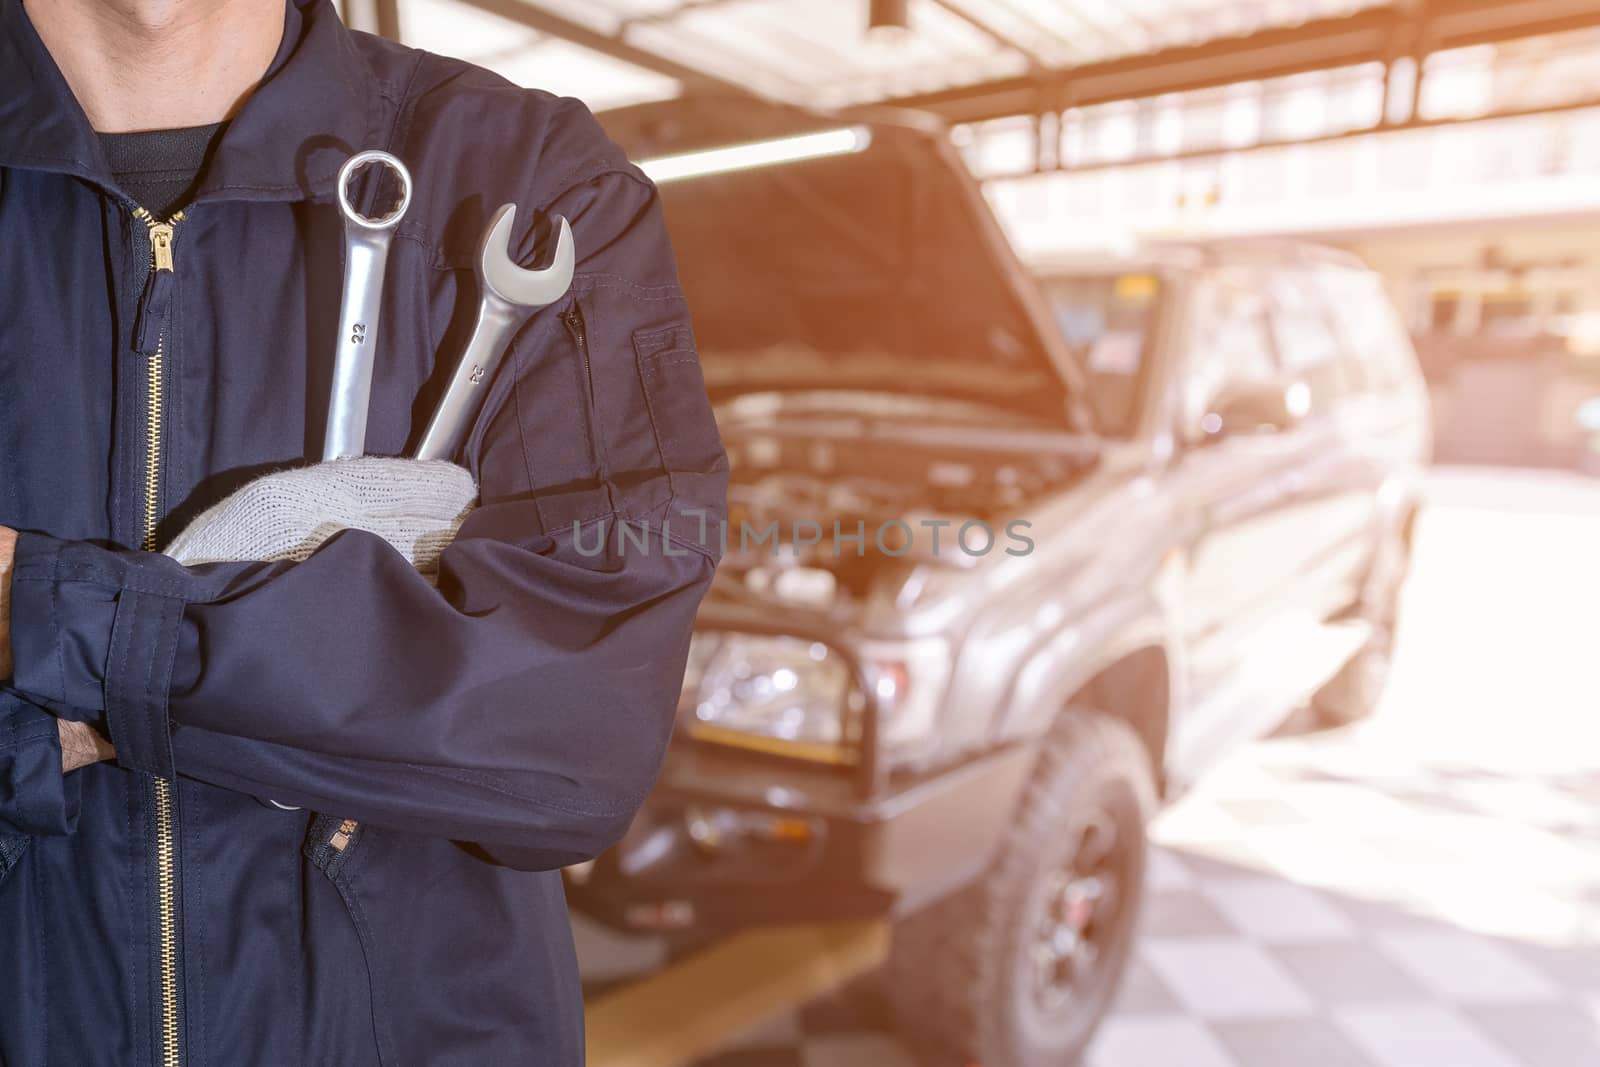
pixel 681 415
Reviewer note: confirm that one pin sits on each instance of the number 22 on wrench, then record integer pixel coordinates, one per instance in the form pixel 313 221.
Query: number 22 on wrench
pixel 366 254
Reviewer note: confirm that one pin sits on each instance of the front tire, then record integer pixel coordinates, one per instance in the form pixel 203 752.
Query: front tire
pixel 1018 969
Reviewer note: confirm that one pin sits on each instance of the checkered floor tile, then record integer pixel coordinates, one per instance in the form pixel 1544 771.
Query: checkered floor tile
pixel 1383 896
pixel 1254 954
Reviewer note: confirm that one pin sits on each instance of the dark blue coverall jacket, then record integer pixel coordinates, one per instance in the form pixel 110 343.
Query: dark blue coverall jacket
pixel 450 748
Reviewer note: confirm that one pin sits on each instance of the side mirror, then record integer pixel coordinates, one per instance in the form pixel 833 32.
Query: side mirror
pixel 1259 407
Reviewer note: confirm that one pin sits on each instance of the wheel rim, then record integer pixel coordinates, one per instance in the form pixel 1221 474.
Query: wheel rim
pixel 1077 917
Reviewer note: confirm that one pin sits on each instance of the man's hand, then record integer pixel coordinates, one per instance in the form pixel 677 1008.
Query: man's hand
pixel 8 548
pixel 81 745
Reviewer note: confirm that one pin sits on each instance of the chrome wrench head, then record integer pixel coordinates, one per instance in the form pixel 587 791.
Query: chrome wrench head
pixel 366 255
pixel 510 294
pixel 353 219
pixel 513 284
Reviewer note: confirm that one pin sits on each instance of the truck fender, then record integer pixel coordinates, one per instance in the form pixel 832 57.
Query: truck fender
pixel 1078 652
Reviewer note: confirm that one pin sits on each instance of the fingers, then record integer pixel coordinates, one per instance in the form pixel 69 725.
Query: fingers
pixel 8 547
pixel 81 745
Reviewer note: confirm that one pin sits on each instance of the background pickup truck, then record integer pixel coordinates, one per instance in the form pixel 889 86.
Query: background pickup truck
pixel 1012 555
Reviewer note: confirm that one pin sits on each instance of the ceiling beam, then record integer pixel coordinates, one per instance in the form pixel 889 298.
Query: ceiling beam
pixel 1035 61
pixel 381 17
pixel 1326 43
pixel 670 14
pixel 1458 24
pixel 388 19
pixel 1367 36
pixel 537 18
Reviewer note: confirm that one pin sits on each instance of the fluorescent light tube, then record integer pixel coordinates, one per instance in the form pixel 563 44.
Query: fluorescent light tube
pixel 759 154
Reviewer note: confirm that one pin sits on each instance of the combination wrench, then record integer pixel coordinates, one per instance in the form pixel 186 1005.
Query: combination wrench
pixel 366 255
pixel 509 294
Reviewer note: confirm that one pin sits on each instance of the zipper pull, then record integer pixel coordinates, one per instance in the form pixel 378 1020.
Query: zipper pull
pixel 573 320
pixel 341 837
pixel 161 246
pixel 157 292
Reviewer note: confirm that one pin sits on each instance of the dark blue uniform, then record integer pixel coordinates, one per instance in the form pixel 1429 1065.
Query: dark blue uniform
pixel 449 749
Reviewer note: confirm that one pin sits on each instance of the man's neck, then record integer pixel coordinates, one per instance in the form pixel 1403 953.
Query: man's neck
pixel 159 64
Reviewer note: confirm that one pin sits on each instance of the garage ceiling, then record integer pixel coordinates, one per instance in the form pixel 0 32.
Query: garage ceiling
pixel 819 52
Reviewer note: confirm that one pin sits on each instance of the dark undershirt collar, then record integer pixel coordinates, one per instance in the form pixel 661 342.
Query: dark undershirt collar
pixel 161 168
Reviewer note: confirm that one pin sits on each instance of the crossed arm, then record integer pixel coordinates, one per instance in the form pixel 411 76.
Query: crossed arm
pixel 81 744
pixel 522 703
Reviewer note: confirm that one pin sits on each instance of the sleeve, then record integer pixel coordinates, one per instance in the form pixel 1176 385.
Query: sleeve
pixel 35 797
pixel 527 700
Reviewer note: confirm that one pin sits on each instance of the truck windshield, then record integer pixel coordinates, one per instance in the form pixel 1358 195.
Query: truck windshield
pixel 1108 321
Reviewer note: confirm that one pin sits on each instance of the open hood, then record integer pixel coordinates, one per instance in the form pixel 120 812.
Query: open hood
pixel 880 269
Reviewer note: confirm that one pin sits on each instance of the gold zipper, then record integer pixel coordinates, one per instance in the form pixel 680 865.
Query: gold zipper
pixel 167 921
pixel 166 825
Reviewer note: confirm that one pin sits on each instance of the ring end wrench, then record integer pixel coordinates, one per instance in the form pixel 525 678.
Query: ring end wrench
pixel 509 294
pixel 365 258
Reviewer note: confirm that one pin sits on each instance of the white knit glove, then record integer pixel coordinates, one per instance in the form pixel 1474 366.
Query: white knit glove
pixel 415 505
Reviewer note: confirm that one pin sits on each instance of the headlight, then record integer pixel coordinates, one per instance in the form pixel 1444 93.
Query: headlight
pixel 796 697
pixel 784 695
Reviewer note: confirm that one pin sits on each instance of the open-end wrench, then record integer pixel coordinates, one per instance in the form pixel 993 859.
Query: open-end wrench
pixel 366 254
pixel 509 295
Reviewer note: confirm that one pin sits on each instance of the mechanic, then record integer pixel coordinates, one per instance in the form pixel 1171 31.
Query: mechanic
pixel 284 808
